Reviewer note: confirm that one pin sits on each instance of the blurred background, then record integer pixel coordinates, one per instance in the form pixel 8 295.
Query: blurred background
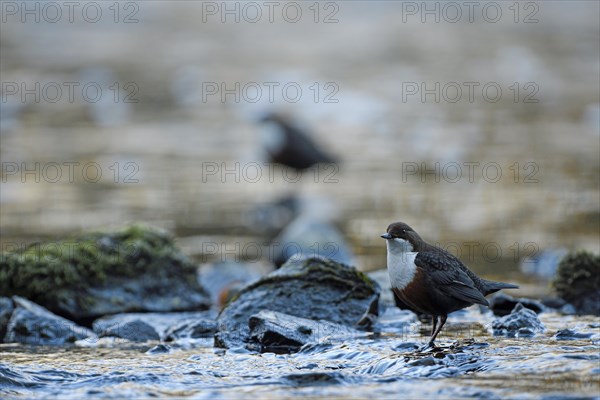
pixel 472 123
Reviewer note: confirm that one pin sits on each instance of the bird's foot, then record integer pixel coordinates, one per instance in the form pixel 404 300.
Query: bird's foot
pixel 429 348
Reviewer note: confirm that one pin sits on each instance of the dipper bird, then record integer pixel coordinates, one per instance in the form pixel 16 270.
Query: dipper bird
pixel 288 145
pixel 429 280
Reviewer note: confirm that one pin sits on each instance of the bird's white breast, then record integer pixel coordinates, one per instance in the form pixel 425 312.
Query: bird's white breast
pixel 400 263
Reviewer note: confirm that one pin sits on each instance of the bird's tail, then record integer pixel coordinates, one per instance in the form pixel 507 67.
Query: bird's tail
pixel 493 287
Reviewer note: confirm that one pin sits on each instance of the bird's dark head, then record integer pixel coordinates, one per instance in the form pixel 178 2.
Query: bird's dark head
pixel 400 230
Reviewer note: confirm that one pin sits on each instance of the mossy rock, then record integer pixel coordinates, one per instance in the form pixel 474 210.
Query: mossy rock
pixel 311 288
pixel 578 281
pixel 135 269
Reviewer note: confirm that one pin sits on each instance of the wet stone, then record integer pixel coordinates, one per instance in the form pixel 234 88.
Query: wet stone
pixel 559 305
pixel 192 329
pixel 471 344
pixel 135 331
pixel 6 310
pixel 554 302
pixel 407 347
pixel 159 349
pixel 33 324
pixel 424 362
pixel 502 304
pixel 314 379
pixel 309 366
pixel 168 326
pixel 281 333
pixel 569 334
pixel 311 288
pixel 521 322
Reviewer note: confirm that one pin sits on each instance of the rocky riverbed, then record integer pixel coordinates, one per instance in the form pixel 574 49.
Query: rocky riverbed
pixel 384 365
pixel 314 327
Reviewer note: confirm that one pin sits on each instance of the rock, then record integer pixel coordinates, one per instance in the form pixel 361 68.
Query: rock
pixel 136 269
pixel 223 280
pixel 569 334
pixel 314 379
pixel 276 332
pixel 33 324
pixel 521 322
pixel 559 305
pixel 309 237
pixel 554 302
pixel 578 281
pixel 309 288
pixel 369 318
pixel 403 347
pixel 544 264
pixel 6 310
pixel 502 304
pixel 135 331
pixel 159 349
pixel 192 329
pixel 161 325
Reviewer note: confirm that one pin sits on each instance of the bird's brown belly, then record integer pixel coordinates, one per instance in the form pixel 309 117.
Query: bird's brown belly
pixel 417 300
pixel 420 296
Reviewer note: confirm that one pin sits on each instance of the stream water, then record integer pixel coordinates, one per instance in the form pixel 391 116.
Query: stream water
pixel 469 364
pixel 151 155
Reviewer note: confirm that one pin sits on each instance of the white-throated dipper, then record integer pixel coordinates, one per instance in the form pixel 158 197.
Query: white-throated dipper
pixel 429 280
pixel 288 145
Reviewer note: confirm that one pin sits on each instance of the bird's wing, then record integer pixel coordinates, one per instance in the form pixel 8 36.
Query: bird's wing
pixel 447 275
pixel 303 143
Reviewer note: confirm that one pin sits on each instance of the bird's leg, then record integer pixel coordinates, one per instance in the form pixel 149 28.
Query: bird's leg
pixel 434 319
pixel 443 319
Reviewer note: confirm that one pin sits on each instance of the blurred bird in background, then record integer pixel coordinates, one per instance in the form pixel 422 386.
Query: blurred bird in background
pixel 286 144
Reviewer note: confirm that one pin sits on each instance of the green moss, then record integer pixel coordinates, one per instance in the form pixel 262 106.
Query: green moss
pixel 90 260
pixel 578 274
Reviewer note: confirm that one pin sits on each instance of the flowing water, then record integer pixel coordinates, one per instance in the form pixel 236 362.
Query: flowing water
pixel 387 364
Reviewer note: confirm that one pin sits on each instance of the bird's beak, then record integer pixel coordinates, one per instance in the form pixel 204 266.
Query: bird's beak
pixel 386 236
